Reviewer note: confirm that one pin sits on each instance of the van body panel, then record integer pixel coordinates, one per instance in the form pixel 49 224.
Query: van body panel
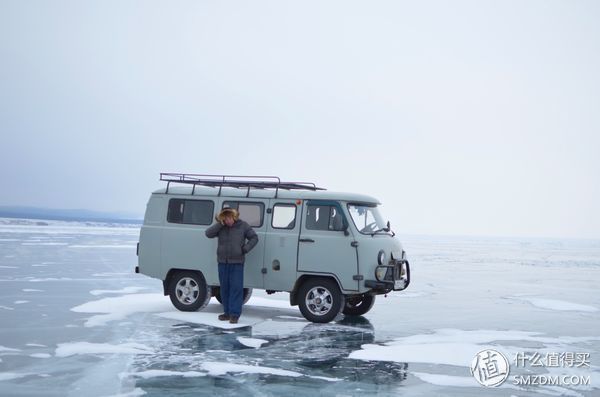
pixel 150 238
pixel 281 249
pixel 368 249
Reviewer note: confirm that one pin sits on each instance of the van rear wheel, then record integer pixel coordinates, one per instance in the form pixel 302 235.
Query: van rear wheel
pixel 358 305
pixel 320 300
pixel 188 291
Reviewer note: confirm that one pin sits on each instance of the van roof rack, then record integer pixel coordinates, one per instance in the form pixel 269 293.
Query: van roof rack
pixel 237 181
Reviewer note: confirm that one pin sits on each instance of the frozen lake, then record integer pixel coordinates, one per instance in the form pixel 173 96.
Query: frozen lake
pixel 76 320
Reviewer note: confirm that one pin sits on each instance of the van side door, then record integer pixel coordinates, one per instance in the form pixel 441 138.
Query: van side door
pixel 253 212
pixel 324 246
pixel 281 245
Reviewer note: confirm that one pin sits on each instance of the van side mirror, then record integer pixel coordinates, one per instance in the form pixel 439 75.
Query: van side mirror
pixel 345 227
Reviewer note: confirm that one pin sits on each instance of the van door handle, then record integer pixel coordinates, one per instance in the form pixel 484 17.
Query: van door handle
pixel 306 240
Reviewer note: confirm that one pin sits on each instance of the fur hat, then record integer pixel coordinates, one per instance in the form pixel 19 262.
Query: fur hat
pixel 227 212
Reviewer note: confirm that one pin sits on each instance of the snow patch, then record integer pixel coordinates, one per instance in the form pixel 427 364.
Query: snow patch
pixel 453 346
pixel 118 308
pixel 134 393
pixel 12 375
pixel 74 348
pixel 252 342
pixel 555 304
pixel 40 355
pixel 8 349
pixel 101 246
pixel 157 373
pixel 126 290
pixel 20 302
pixel 447 380
pixel 32 290
pixel 220 368
pixel 209 318
pixel 38 280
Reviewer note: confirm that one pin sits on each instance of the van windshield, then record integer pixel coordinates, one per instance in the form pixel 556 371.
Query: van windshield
pixel 366 218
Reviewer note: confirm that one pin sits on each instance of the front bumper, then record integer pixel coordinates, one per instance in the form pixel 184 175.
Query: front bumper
pixel 396 276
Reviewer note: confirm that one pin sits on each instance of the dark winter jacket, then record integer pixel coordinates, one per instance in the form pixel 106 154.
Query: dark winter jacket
pixel 232 241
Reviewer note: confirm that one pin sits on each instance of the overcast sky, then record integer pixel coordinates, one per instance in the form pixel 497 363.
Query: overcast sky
pixel 462 117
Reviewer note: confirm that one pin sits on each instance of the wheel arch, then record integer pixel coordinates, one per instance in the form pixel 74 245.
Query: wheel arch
pixel 175 270
pixel 303 278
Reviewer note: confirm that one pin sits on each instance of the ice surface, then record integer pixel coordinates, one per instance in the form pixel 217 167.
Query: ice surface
pixel 466 294
pixel 70 349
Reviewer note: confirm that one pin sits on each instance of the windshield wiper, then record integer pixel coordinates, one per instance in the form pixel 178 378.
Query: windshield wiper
pixel 385 229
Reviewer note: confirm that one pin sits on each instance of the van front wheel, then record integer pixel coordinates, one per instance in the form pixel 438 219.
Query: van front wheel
pixel 320 300
pixel 188 291
pixel 358 305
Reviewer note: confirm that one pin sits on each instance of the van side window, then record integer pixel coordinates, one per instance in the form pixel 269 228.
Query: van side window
pixel 253 213
pixel 191 212
pixel 324 217
pixel 284 216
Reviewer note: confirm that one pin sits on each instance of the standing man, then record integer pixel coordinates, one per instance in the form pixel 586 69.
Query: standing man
pixel 232 248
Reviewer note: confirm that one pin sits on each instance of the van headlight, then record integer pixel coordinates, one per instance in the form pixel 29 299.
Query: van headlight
pixel 381 257
pixel 403 270
pixel 380 272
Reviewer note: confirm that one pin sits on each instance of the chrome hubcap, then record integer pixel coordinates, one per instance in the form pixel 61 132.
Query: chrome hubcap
pixel 187 290
pixel 319 301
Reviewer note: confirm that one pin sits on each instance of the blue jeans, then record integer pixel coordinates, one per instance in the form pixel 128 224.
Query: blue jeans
pixel 231 278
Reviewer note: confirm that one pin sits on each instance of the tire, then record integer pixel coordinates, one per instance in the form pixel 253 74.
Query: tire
pixel 358 305
pixel 320 300
pixel 188 291
pixel 216 292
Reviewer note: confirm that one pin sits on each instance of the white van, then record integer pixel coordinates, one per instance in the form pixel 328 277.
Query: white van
pixel 333 252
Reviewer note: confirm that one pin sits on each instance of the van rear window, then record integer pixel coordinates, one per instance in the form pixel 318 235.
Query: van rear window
pixel 191 212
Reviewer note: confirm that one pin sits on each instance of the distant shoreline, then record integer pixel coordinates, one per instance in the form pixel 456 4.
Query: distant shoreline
pixel 66 216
